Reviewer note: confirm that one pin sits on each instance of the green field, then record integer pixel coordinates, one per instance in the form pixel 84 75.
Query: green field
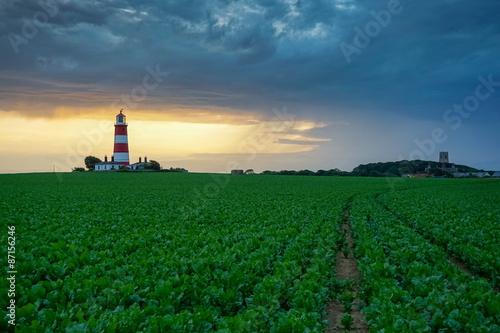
pixel 170 252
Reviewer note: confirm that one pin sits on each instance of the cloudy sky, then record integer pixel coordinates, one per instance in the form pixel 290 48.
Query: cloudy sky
pixel 265 84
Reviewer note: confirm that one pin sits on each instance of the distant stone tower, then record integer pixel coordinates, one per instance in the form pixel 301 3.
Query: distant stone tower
pixel 443 157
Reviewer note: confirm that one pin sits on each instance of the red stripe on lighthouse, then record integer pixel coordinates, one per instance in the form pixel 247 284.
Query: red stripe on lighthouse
pixel 121 148
pixel 120 129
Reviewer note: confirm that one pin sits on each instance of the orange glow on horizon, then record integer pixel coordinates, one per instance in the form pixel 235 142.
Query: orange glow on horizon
pixel 80 136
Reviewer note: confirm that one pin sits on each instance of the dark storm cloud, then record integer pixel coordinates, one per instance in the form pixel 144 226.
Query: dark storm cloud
pixel 252 55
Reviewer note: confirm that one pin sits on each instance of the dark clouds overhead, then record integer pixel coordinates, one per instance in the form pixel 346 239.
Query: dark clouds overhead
pixel 251 55
pixel 272 50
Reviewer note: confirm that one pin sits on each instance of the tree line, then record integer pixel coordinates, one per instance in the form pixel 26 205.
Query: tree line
pixel 380 169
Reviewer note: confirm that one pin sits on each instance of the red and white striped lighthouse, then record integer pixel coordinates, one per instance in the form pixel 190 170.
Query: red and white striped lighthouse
pixel 120 151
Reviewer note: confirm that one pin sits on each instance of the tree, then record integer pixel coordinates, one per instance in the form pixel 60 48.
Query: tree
pixel 305 173
pixel 333 172
pixel 439 172
pixel 393 171
pixel 91 161
pixel 78 169
pixel 154 165
pixel 175 170
pixel 320 173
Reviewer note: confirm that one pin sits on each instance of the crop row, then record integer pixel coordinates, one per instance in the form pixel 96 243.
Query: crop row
pixel 463 220
pixel 408 283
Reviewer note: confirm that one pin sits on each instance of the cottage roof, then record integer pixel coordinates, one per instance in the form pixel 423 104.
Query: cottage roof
pixel 104 163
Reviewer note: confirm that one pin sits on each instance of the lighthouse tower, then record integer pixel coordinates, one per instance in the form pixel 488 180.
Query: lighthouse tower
pixel 120 151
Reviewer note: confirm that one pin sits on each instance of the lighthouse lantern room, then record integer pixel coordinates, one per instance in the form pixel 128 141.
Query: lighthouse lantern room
pixel 120 151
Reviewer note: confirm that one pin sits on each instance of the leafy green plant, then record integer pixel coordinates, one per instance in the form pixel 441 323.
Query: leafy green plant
pixel 144 252
pixel 347 298
pixel 347 321
pixel 345 251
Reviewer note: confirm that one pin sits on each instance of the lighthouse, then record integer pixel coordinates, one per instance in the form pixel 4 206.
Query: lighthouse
pixel 120 159
pixel 120 151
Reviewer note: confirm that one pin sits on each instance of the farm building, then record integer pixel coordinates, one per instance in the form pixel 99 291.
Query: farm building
pixel 236 172
pixel 480 174
pixel 471 174
pixel 496 174
pixel 420 175
pixel 461 174
pixel 139 165
pixel 106 166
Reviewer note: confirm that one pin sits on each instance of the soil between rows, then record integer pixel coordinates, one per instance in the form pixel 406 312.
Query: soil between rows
pixel 347 269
